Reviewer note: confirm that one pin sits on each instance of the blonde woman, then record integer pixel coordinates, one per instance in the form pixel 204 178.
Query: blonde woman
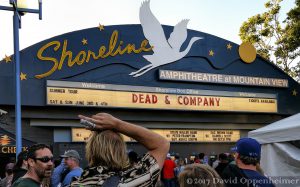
pixel 107 157
pixel 199 175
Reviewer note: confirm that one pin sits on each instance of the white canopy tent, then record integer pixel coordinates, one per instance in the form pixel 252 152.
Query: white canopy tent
pixel 280 158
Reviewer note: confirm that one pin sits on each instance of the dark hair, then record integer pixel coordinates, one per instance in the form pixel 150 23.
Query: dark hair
pixel 249 160
pixel 34 148
pixel 201 155
pixel 223 156
pixel 21 156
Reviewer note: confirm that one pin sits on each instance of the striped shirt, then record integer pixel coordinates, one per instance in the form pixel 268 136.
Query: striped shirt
pixel 144 174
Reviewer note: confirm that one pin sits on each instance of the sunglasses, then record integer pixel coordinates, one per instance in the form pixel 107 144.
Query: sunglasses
pixel 45 159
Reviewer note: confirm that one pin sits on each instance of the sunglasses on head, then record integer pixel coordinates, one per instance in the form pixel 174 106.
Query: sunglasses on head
pixel 45 159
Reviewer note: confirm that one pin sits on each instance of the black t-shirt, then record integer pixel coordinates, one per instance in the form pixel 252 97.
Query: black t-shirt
pixel 257 179
pixel 233 176
pixel 221 166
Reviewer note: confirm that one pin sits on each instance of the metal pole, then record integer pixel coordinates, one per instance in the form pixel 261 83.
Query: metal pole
pixel 17 21
pixel 16 26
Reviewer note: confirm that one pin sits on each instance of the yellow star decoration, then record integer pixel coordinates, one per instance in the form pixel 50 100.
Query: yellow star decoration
pixel 294 92
pixel 23 76
pixel 84 41
pixel 101 27
pixel 7 59
pixel 211 53
pixel 229 46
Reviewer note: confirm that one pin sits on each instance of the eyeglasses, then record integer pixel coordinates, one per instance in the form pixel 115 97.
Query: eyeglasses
pixel 45 159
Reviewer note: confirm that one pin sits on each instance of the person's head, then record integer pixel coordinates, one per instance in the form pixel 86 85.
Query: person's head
pixel 201 156
pixel 107 148
pixel 9 169
pixel 181 162
pixel 40 161
pixel 71 159
pixel 21 161
pixel 199 175
pixel 192 159
pixel 248 151
pixel 223 157
pixel 168 156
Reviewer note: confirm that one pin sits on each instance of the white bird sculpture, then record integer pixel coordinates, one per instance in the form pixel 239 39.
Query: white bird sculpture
pixel 164 52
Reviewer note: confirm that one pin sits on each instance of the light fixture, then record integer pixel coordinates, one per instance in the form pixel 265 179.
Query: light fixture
pixel 2 112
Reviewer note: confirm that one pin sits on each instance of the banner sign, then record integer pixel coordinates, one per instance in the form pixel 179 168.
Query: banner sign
pixel 8 142
pixel 10 149
pixel 174 135
pixel 221 79
pixel 131 99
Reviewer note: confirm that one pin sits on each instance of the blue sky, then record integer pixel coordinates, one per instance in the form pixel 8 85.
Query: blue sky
pixel 221 18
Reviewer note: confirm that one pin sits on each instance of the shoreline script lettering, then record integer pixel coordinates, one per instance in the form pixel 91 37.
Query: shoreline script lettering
pixel 115 47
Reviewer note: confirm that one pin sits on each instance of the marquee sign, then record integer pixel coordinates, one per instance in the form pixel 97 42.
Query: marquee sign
pixel 221 79
pixel 174 135
pixel 135 97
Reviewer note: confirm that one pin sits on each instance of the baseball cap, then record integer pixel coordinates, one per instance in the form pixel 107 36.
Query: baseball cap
pixel 248 147
pixel 168 155
pixel 71 153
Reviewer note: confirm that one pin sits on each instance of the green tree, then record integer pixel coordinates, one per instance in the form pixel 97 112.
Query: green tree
pixel 275 41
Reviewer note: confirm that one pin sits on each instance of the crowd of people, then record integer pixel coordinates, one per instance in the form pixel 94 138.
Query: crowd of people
pixel 241 169
pixel 110 165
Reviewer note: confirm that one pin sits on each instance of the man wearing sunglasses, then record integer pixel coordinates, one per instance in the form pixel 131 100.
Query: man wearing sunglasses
pixel 40 165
